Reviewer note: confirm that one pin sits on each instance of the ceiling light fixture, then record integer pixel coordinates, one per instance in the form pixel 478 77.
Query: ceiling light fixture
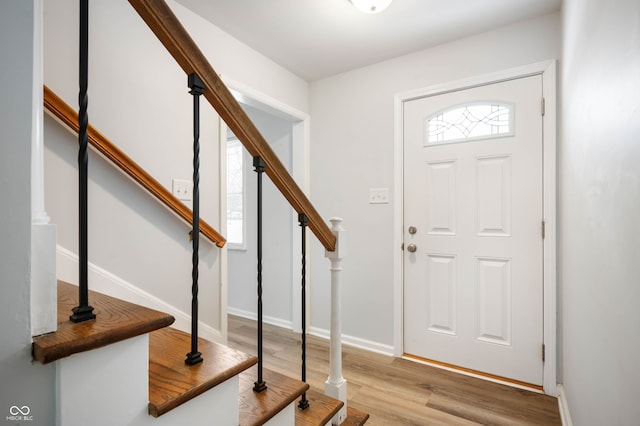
pixel 371 6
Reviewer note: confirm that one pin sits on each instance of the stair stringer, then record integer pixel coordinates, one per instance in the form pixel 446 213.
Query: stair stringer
pixel 108 283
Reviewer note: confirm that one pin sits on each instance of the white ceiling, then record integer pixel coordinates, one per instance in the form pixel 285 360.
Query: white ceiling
pixel 318 38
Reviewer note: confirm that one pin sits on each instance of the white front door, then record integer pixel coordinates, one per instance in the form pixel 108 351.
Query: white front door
pixel 473 247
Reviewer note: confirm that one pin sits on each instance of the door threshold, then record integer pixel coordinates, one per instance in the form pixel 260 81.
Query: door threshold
pixel 474 373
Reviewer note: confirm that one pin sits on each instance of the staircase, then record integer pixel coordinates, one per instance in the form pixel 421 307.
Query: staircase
pixel 118 363
pixel 132 364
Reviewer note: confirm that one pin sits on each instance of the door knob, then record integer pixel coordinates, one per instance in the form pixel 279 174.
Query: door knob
pixel 411 248
pixel 413 230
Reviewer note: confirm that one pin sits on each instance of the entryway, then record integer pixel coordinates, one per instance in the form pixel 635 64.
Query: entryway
pixel 473 228
pixel 286 130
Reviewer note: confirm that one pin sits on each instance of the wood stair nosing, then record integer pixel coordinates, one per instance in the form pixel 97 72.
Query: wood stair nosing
pixel 355 417
pixel 257 408
pixel 321 410
pixel 116 320
pixel 172 382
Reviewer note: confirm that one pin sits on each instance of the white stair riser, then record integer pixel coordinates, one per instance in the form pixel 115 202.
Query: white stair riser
pixel 286 417
pixel 217 406
pixel 109 386
pixel 106 386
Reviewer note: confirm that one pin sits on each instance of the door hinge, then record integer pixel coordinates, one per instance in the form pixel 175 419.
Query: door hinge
pixel 542 106
pixel 543 352
pixel 543 229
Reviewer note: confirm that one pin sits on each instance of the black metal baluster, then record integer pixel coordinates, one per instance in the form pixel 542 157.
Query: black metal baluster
pixel 83 311
pixel 259 165
pixel 197 88
pixel 304 221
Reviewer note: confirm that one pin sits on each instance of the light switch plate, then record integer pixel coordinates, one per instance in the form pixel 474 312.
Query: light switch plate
pixel 182 189
pixel 379 196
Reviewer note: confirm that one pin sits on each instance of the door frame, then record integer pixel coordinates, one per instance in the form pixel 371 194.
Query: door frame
pixel 300 167
pixel 547 70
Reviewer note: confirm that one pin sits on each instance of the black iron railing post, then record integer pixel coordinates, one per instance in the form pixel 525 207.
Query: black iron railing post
pixel 259 167
pixel 83 311
pixel 197 88
pixel 304 221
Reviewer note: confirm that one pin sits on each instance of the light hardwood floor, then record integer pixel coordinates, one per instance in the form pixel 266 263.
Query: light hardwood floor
pixel 398 392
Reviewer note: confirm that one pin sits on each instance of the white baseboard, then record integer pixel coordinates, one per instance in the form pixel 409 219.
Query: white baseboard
pixel 355 342
pixel 265 318
pixel 563 406
pixel 316 331
pixel 105 282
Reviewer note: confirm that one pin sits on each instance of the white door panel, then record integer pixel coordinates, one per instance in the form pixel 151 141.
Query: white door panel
pixel 473 286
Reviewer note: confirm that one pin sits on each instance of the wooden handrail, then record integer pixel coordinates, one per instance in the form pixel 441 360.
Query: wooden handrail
pixel 67 115
pixel 166 26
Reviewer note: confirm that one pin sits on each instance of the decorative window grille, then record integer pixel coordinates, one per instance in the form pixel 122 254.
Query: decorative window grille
pixel 469 122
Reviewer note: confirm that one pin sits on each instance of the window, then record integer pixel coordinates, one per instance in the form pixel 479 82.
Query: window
pixel 468 122
pixel 235 192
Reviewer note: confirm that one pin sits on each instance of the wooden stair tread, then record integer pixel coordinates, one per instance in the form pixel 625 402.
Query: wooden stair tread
pixel 355 417
pixel 116 320
pixel 257 408
pixel 321 410
pixel 172 382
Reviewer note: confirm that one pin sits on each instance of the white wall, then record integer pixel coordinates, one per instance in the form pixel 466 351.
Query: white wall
pixel 138 97
pixel 600 201
pixel 235 60
pixel 277 234
pixel 352 145
pixel 21 382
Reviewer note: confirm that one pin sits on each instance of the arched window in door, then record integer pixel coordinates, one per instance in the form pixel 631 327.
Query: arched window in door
pixel 469 122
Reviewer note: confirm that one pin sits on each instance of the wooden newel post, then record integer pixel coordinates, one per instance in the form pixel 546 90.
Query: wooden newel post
pixel 336 385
